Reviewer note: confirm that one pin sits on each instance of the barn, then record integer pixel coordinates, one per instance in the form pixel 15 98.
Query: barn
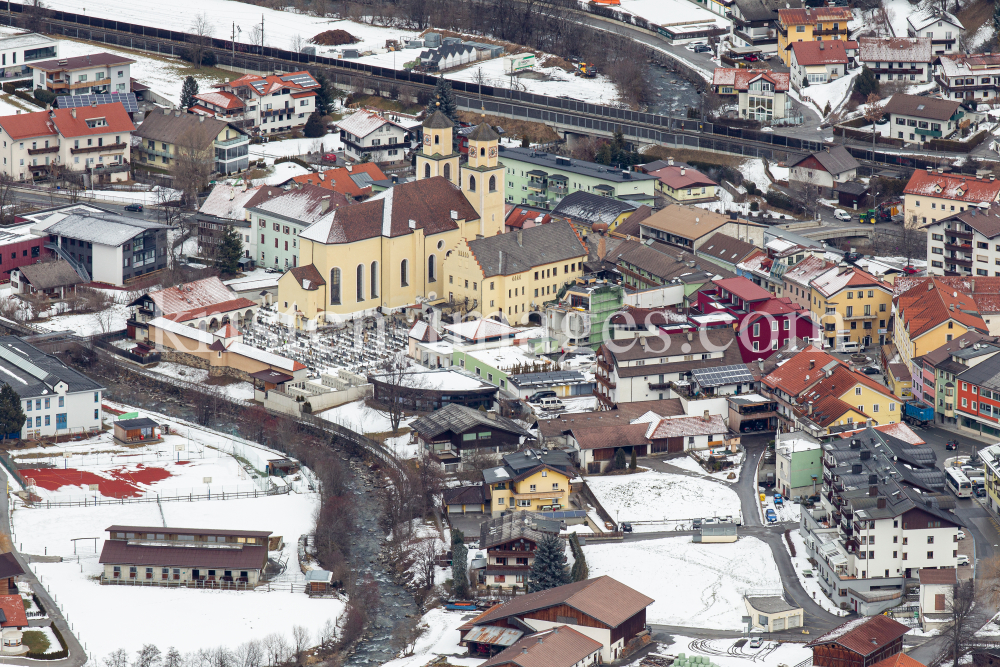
pixel 861 642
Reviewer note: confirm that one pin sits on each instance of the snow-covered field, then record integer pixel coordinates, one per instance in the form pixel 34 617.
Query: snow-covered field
pixel 754 171
pixel 240 390
pixel 556 82
pixel 357 416
pixel 834 93
pixel 711 579
pixel 718 651
pixel 86 324
pixel 811 584
pixel 689 464
pixel 661 498
pixel 440 638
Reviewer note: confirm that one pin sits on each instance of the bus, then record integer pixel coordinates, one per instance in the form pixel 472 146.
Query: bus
pixel 958 482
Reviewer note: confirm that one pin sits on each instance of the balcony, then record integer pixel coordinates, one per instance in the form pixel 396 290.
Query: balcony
pixel 967 263
pixel 536 186
pixel 606 382
pixel 960 233
pixel 232 142
pixel 876 596
pixel 539 494
pixel 110 169
pixel 830 31
pixel 558 189
pixel 46 149
pixel 929 133
pixel 858 316
pixel 967 247
pixel 97 149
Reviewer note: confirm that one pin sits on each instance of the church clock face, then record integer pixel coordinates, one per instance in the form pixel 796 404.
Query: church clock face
pixel 493 151
pixel 427 140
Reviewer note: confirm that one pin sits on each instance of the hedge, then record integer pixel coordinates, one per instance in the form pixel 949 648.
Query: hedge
pixel 300 162
pixel 55 655
pixel 580 570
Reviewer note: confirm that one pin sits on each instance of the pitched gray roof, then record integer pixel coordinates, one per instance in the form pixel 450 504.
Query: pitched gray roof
pixel 47 275
pixel 511 527
pixel 544 244
pixel 922 107
pixel 559 164
pixel 438 121
pixel 484 132
pixel 181 128
pixel 836 160
pixel 587 207
pixel 458 419
pixel 31 372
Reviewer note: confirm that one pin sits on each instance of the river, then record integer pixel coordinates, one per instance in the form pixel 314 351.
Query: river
pixel 670 94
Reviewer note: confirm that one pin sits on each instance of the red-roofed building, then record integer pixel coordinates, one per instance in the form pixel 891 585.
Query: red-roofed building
pixel 763 94
pixel 523 217
pixel 809 24
pixel 860 642
pixel 817 62
pixel 764 323
pixel 932 195
pixel 14 620
pixel 354 181
pixel 205 304
pixel 274 103
pixel 93 139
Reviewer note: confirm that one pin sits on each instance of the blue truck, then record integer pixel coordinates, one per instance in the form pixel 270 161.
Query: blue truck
pixel 915 412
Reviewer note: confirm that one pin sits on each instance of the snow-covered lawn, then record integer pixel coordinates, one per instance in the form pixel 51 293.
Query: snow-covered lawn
pixel 667 12
pixel 834 93
pixel 689 464
pixel 359 417
pixel 811 584
pixel 556 82
pixel 239 390
pixel 661 498
pixel 295 147
pixel 754 171
pixel 710 579
pixel 157 195
pixel 439 638
pixel 86 324
pixel 54 644
pixel 718 651
pixel 778 173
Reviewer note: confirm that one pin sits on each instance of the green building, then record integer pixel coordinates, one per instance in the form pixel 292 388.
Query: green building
pixel 494 364
pixel 798 464
pixel 540 179
pixel 581 318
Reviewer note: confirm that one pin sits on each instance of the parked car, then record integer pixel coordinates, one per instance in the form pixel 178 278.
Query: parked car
pixel 329 157
pixel 771 516
pixel 910 270
pixel 980 492
pixel 551 403
pixel 539 395
pixel 626 527
pixel 778 500
pixel 134 207
pixel 841 214
pixel 961 534
pixel 751 57
pixel 756 642
pixel 952 445
pixel 870 370
pixel 963 559
pixel 701 48
pixel 696 524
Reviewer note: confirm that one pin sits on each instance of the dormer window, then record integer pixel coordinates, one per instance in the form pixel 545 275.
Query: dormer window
pixel 97 122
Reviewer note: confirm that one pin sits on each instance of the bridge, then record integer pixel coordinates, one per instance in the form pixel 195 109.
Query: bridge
pixel 828 233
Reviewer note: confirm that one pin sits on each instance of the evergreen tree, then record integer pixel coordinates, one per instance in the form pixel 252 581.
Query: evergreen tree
pixel 324 96
pixel 615 153
pixel 549 568
pixel 314 126
pixel 459 565
pixel 633 464
pixel 526 141
pixel 443 99
pixel 996 19
pixel 188 91
pixel 619 463
pixel 11 414
pixel 230 250
pixel 865 84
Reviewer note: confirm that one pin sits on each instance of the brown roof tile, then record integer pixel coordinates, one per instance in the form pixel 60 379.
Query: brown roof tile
pixel 932 302
pixel 604 436
pixel 561 646
pixel 120 552
pixel 864 636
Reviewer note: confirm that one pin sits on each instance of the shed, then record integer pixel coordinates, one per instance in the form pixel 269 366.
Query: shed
pixel 10 570
pixel 716 532
pixel 282 467
pixel 472 499
pixel 936 590
pixel 488 640
pixel 142 429
pixel 773 613
pixel 858 642
pixel 851 194
pixel 319 582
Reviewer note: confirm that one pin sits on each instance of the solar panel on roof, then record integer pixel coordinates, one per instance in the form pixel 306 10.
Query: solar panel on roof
pixel 70 101
pixel 722 375
pixel 300 79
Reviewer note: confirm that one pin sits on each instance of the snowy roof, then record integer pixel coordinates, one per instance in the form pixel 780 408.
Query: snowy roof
pixel 921 19
pixel 228 201
pixel 865 635
pixel 197 299
pixel 21 41
pixel 362 123
pixel 676 427
pixel 970 189
pixel 561 646
pixel 241 349
pixel 837 278
pixel 31 372
pixel 459 419
pixel 108 229
pixel 480 329
pixel 442 379
pixel 304 204
pixel 896 49
pixel 507 358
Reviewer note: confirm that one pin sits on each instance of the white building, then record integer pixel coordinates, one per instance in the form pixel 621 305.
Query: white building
pixel 817 62
pixel 941 27
pixel 969 77
pixel 914 118
pixel 937 588
pixel 81 75
pixel 56 399
pixel 274 103
pixel 17 51
pixel 96 140
pixel 897 59
pixel 950 249
pixel 372 134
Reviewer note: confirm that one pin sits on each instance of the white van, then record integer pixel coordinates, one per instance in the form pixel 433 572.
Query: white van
pixel 551 403
pixel 849 347
pixel 841 214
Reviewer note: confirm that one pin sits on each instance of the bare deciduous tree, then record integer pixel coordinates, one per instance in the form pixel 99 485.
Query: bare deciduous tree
pixel 300 640
pixel 874 112
pixel 963 627
pixel 297 43
pixel 248 654
pixel 147 656
pixel 117 658
pixel 424 554
pixel 194 161
pixel 201 31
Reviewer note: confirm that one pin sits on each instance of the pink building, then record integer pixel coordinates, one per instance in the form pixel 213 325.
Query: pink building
pixel 763 323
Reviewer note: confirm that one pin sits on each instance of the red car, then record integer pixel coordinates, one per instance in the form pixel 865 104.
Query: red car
pixel 909 270
pixel 751 57
pixel 329 157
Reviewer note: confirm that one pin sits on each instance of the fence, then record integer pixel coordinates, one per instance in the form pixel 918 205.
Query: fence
pixel 103 341
pixel 155 498
pixel 266 587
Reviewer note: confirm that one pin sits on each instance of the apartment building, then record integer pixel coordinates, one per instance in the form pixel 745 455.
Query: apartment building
pixel 897 58
pixel 852 305
pixel 977 404
pixel 372 135
pixel 934 373
pixel 277 220
pixel 966 243
pixel 94 140
pixel 17 51
pixel 969 77
pixel 914 118
pixel 168 135
pixel 754 25
pixel 761 94
pixel 879 520
pixel 80 75
pixel 991 464
pixel 810 24
pixel 265 104
pixel 542 179
pixel 797 280
pixel 931 195
pixel 930 313
pixel 939 26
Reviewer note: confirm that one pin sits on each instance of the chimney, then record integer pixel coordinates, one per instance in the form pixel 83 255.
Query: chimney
pixel 166 112
pixel 682 171
pixel 705 417
pixel 930 285
pixel 873 491
pixel 670 161
pixel 412 223
pixel 880 503
pixel 822 48
pixel 642 342
pixel 520 239
pixel 856 469
pixel 324 204
pixel 690 336
pixel 812 364
pixel 810 407
pixel 491 414
pixel 177 114
pixel 930 170
pixel 940 170
pixel 953 308
pixel 72 112
pixel 961 344
pixel 454 215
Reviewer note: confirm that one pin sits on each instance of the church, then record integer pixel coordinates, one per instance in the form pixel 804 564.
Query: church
pixel 387 252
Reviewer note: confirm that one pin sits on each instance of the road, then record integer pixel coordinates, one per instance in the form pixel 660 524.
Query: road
pixel 77 655
pixel 48 199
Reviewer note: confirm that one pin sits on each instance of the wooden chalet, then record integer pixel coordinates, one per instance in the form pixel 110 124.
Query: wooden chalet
pixel 602 608
pixel 861 642
pixel 510 542
pixel 141 429
pixel 561 646
pixel 10 570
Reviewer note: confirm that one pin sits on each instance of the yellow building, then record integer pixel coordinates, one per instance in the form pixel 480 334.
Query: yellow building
pixel 387 251
pixel 846 397
pixel 852 306
pixel 900 381
pixel 931 195
pixel 684 184
pixel 537 489
pixel 930 314
pixel 509 275
pixel 810 24
pixel 164 137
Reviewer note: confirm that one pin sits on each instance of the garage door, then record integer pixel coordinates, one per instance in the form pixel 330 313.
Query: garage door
pixel 794 621
pixel 454 509
pixel 779 624
pixel 675 445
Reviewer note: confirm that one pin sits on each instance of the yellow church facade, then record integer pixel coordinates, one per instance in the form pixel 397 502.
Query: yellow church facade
pixel 388 251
